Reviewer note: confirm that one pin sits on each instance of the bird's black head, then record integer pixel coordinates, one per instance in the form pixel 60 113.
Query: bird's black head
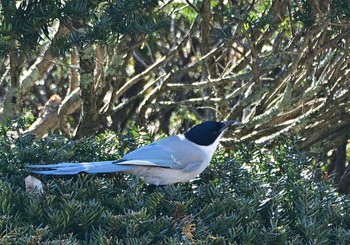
pixel 206 133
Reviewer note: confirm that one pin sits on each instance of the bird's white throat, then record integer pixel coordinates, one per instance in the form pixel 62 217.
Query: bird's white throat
pixel 207 150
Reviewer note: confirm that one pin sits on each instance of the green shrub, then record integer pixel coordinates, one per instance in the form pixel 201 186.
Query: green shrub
pixel 247 196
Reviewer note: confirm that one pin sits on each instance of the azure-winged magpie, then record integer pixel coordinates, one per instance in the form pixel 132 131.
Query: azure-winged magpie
pixel 177 158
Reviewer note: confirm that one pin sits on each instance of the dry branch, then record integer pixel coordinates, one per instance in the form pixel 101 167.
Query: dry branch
pixel 48 120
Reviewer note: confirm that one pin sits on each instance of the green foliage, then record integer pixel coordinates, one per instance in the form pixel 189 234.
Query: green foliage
pixel 341 9
pixel 24 26
pixel 247 196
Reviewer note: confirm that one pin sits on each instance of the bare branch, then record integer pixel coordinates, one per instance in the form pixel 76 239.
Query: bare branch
pixel 48 119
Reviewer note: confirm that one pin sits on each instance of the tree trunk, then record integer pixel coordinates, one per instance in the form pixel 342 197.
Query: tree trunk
pixel 339 170
pixel 89 117
pixel 10 108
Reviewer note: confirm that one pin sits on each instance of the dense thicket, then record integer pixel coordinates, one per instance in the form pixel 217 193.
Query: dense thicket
pixel 84 66
pixel 246 196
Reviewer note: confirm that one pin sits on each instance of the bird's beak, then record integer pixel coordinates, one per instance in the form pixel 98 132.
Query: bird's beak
pixel 231 123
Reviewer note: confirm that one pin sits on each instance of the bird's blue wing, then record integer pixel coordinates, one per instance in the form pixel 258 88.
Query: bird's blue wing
pixel 171 152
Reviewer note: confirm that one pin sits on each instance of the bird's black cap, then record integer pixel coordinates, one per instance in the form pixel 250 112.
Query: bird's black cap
pixel 207 132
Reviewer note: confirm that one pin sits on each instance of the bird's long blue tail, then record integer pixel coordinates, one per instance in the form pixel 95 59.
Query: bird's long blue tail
pixel 67 168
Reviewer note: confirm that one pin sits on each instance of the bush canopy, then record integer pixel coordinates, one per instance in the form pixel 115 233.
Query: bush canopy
pixel 247 196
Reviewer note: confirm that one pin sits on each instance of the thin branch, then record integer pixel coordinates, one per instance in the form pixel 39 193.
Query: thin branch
pixel 152 67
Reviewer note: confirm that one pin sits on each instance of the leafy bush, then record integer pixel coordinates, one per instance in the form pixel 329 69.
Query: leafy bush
pixel 247 196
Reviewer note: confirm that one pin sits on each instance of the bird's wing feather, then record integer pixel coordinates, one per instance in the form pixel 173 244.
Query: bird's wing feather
pixel 171 152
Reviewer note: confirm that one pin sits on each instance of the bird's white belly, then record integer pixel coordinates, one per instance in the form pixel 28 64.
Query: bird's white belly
pixel 165 176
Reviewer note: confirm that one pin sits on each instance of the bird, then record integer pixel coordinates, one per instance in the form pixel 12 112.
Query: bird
pixel 173 159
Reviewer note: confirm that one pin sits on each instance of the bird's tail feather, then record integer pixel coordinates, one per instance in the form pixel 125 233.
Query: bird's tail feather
pixel 67 168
